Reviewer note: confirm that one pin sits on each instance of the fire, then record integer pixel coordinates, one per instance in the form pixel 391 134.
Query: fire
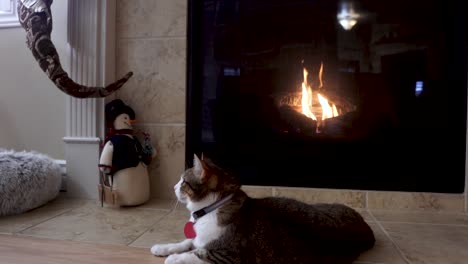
pixel 328 110
pixel 307 98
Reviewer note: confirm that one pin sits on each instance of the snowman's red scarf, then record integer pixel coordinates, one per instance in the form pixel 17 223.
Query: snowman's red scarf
pixel 113 132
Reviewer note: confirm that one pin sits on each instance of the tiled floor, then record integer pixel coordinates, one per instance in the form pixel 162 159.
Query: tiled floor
pixel 402 237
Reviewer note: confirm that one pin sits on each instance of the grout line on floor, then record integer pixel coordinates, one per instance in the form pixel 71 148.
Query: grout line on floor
pixel 420 212
pixel 69 240
pixel 48 219
pixel 43 237
pixel 148 229
pixel 155 223
pixel 424 223
pixel 367 201
pixel 390 238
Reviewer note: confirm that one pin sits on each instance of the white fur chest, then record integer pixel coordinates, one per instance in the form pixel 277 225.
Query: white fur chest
pixel 207 229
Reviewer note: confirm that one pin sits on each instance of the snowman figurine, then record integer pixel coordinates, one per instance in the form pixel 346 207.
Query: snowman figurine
pixel 123 159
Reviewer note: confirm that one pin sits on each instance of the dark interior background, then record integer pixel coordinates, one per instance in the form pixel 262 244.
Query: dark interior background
pixel 244 56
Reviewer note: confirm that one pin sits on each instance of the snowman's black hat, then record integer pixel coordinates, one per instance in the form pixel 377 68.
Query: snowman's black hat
pixel 117 107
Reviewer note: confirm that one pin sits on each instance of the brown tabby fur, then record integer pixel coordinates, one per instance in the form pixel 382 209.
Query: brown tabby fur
pixel 276 230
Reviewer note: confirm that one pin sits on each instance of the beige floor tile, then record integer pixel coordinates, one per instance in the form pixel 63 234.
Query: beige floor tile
pixel 21 250
pixel 383 252
pixel 422 237
pixel 169 230
pixel 420 217
pixel 429 243
pixel 365 214
pixel 412 201
pixel 159 204
pixel 182 207
pixel 381 239
pixel 16 223
pixel 92 223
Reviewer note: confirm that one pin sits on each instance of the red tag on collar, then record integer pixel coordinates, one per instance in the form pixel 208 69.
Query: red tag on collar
pixel 189 231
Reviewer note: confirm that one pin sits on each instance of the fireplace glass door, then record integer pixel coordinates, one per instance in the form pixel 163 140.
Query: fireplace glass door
pixel 330 94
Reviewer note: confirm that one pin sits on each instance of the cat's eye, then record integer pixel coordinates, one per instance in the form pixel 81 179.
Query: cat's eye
pixel 186 183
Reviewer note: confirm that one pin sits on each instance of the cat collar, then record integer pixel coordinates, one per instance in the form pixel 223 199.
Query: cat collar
pixel 205 210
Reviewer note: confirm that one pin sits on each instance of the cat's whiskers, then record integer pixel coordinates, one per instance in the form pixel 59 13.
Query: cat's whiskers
pixel 176 204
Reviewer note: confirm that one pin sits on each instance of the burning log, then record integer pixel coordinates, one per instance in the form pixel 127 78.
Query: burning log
pixel 295 122
pixel 293 100
pixel 339 126
pixel 316 111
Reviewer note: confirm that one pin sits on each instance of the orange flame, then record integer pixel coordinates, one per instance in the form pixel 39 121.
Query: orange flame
pixel 328 111
pixel 306 100
pixel 320 75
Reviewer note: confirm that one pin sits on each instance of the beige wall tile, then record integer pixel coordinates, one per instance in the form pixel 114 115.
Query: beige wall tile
pixel 466 188
pixel 415 201
pixel 356 199
pixel 166 168
pixel 258 191
pixel 151 18
pixel 152 44
pixel 157 90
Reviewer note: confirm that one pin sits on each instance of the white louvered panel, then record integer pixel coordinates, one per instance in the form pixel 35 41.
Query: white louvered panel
pixel 91 40
pixel 88 64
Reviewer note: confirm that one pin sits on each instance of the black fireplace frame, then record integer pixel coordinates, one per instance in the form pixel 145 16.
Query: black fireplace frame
pixel 194 106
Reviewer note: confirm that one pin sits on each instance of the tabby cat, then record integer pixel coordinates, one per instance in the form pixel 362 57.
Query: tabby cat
pixel 230 227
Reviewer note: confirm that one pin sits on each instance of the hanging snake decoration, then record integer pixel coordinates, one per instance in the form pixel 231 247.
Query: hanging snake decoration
pixel 36 18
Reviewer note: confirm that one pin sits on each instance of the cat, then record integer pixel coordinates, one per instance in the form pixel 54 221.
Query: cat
pixel 240 229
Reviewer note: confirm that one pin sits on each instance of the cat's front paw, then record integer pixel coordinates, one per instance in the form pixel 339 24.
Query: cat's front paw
pixel 174 259
pixel 161 250
pixel 168 249
pixel 184 258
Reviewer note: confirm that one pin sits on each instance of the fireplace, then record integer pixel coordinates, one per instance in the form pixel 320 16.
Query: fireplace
pixel 330 94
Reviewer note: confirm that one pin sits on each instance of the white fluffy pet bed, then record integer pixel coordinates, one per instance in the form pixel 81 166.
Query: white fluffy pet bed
pixel 27 180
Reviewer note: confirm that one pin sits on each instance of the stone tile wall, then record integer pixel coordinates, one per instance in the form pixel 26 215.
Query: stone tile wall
pixel 151 42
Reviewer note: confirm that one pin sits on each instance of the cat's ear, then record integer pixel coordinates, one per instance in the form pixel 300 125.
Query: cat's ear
pixel 197 165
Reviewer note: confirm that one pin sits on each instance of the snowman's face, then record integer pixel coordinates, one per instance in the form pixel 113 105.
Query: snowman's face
pixel 122 122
